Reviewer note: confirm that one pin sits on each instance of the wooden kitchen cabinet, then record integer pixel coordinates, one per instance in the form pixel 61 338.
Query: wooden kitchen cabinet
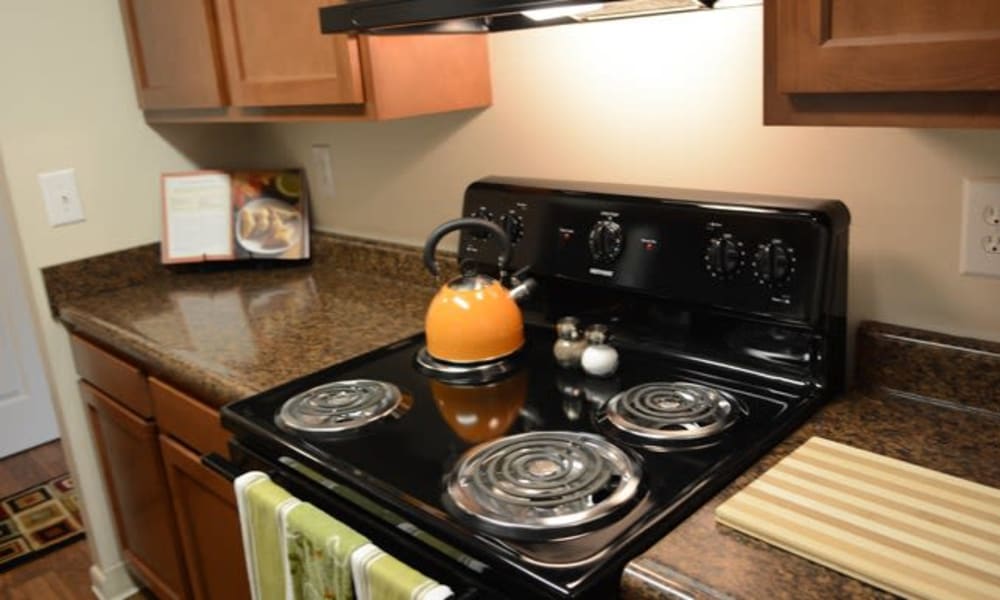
pixel 272 61
pixel 266 60
pixel 177 520
pixel 175 66
pixel 208 523
pixel 922 63
pixel 207 517
pixel 129 453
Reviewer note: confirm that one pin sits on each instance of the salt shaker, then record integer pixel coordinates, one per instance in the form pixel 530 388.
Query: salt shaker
pixel 570 345
pixel 599 358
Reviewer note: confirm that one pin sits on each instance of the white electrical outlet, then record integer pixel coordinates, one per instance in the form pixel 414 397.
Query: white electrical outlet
pixel 323 164
pixel 62 200
pixel 981 227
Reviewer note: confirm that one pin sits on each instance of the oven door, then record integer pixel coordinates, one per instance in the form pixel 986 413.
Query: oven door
pixel 389 532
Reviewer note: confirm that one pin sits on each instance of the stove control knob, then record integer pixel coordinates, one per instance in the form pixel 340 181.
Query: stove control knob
pixel 774 263
pixel 482 213
pixel 513 225
pixel 606 241
pixel 724 257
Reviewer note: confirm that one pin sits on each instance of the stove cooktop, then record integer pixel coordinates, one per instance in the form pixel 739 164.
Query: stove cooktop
pixel 728 312
pixel 404 462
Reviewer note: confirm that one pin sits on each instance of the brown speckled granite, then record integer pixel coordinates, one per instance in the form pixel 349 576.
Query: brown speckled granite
pixel 223 334
pixel 404 263
pixel 116 270
pixel 928 364
pixel 703 559
pixel 107 272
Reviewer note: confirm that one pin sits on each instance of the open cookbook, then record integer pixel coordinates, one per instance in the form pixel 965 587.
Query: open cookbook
pixel 220 216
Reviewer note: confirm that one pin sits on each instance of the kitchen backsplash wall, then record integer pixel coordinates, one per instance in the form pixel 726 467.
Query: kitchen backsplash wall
pixel 672 100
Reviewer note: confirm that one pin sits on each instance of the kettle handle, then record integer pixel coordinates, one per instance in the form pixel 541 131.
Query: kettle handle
pixel 465 223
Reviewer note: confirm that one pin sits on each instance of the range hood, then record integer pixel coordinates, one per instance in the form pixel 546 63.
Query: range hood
pixel 486 15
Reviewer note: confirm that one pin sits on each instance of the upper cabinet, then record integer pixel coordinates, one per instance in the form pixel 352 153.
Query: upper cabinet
pixel 919 63
pixel 271 60
pixel 175 59
pixel 266 60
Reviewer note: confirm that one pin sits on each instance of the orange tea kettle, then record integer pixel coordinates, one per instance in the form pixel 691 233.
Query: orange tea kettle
pixel 474 318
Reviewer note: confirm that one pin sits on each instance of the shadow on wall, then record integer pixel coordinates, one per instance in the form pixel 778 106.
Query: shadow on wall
pixel 215 145
pixel 396 143
pixel 978 148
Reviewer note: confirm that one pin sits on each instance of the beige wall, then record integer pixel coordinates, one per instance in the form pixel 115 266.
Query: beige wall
pixel 66 100
pixel 675 101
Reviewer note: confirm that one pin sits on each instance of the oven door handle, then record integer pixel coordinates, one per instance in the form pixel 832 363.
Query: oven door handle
pixel 221 465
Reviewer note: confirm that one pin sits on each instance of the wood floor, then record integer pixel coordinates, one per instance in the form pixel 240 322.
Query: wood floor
pixel 62 574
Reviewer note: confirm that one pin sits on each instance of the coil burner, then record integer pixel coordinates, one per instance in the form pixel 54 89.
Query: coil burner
pixel 542 485
pixel 671 413
pixel 468 373
pixel 342 406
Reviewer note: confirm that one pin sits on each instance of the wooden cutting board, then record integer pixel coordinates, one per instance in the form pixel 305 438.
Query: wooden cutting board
pixel 909 530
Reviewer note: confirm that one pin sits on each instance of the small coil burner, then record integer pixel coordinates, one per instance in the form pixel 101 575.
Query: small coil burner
pixel 341 406
pixel 543 484
pixel 467 373
pixel 668 412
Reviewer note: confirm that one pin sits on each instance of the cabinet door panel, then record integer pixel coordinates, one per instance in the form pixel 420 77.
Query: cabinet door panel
pixel 888 45
pixel 137 487
pixel 275 55
pixel 121 380
pixel 209 525
pixel 175 55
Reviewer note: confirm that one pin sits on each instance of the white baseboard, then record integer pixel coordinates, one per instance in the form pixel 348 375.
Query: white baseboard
pixel 112 583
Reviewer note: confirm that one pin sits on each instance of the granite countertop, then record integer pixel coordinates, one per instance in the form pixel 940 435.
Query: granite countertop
pixel 928 399
pixel 223 335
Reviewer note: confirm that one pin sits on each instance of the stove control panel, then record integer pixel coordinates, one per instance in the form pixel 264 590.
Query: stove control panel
pixel 605 240
pixel 774 263
pixel 725 256
pixel 509 216
pixel 768 256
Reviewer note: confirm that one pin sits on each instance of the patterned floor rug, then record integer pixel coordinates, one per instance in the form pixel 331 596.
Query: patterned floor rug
pixel 37 520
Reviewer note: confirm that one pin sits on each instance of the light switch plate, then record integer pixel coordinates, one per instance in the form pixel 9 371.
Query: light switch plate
pixel 62 200
pixel 980 253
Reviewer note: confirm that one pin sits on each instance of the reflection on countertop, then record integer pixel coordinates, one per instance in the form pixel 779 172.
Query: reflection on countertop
pixel 225 334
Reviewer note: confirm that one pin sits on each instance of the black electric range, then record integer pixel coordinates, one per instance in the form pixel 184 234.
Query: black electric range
pixel 727 312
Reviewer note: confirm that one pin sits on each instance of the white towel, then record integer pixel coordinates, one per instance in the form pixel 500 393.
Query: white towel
pixel 261 504
pixel 379 576
pixel 239 485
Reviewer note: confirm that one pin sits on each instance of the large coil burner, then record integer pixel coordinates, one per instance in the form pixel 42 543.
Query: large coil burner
pixel 543 484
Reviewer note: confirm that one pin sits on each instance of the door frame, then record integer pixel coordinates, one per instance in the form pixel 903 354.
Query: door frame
pixel 17 319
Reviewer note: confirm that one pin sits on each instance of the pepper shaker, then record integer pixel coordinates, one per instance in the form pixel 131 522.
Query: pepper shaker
pixel 569 347
pixel 599 358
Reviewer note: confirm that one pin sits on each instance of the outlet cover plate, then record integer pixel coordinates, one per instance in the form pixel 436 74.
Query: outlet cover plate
pixel 980 232
pixel 62 200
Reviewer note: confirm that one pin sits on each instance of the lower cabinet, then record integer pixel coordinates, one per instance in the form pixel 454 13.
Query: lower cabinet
pixel 137 487
pixel 208 523
pixel 176 519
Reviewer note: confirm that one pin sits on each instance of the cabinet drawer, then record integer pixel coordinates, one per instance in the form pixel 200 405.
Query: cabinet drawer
pixel 187 419
pixel 113 376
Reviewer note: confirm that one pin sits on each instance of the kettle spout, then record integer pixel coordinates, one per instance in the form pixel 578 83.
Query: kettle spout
pixel 522 290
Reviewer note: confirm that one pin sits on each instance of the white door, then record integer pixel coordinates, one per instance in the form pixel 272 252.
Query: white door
pixel 26 415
